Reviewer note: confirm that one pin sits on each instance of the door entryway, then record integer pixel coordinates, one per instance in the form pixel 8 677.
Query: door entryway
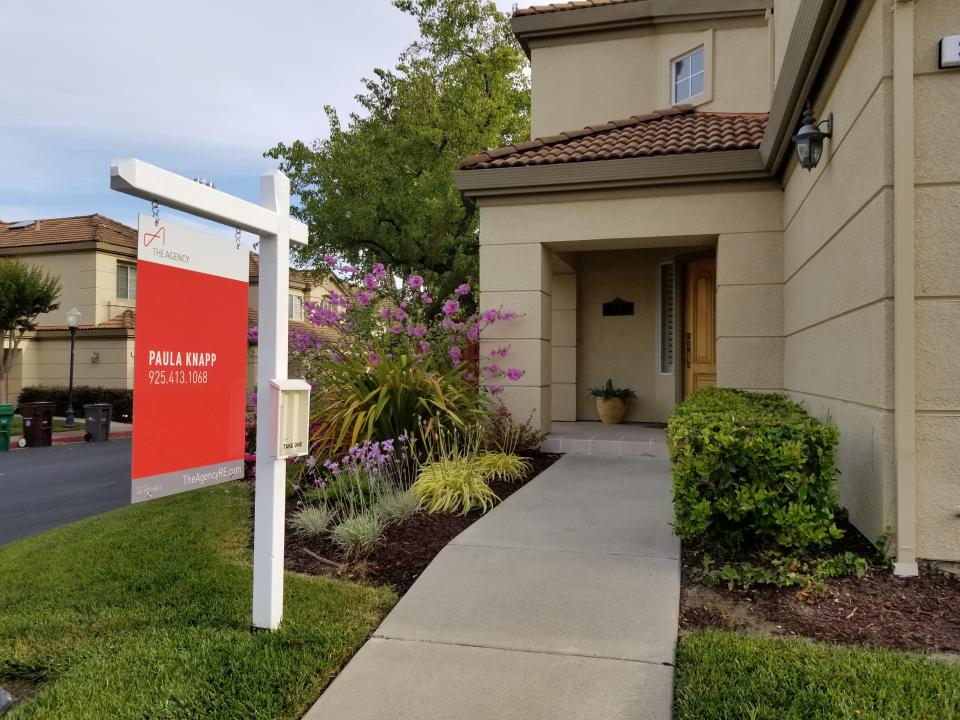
pixel 699 324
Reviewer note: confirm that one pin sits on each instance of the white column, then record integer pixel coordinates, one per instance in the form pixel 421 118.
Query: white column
pixel 271 364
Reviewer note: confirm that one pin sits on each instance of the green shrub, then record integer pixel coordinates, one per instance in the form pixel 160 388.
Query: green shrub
pixel 358 534
pixel 398 505
pixel 502 466
pixel 120 398
pixel 752 470
pixel 311 521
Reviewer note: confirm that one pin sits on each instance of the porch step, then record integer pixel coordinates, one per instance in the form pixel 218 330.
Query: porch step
pixel 591 438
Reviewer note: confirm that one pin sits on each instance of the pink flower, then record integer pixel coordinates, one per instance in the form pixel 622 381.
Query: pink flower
pixel 514 374
pixel 507 315
pixel 400 314
pixel 417 330
pixel 369 281
pixel 450 307
pixel 330 260
pixel 455 354
pixel 473 334
pixel 447 324
pixel 424 347
pixel 347 269
pixel 426 299
pixel 385 313
pixel 462 289
pixel 501 351
pixel 374 360
pixel 492 369
pixel 415 281
pixel 363 298
pixel 396 329
pixel 489 316
pixel 502 411
pixel 495 389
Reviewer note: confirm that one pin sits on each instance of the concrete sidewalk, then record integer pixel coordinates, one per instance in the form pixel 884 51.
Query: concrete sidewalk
pixel 562 603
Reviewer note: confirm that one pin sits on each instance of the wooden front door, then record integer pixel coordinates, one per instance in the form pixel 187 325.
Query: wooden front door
pixel 699 325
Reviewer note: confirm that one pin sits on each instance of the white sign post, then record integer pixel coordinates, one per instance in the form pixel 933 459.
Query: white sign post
pixel 272 222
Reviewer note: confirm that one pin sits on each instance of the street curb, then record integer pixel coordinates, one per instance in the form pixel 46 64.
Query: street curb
pixel 66 438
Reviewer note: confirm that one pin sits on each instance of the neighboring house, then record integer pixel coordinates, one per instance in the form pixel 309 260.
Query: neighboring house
pixel 839 286
pixel 95 258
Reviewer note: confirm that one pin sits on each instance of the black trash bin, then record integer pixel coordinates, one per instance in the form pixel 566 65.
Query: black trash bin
pixel 37 423
pixel 97 417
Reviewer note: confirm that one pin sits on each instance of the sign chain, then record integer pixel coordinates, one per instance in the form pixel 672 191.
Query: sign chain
pixel 155 207
pixel 237 238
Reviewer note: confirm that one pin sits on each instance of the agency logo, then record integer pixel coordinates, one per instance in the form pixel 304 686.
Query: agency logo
pixel 149 238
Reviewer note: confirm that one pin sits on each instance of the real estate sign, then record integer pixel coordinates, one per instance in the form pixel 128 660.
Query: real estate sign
pixel 190 362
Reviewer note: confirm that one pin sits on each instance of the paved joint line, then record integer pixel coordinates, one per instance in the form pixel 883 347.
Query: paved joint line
pixel 556 550
pixel 503 648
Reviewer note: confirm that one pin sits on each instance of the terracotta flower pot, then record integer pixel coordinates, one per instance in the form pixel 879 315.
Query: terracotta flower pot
pixel 612 410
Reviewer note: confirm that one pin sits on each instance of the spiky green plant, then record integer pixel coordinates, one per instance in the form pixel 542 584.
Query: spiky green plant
pixel 398 505
pixel 502 466
pixel 453 485
pixel 311 521
pixel 358 534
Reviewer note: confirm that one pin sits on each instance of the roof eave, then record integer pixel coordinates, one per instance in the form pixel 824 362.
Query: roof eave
pixel 623 15
pixel 714 166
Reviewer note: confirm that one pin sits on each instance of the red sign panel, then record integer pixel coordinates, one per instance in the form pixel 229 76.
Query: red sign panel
pixel 190 362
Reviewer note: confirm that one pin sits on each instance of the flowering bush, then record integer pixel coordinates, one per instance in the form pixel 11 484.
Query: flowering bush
pixel 382 366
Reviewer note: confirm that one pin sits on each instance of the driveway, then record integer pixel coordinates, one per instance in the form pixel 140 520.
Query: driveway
pixel 43 488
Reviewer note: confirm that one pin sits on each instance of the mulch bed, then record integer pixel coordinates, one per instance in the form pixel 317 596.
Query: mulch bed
pixel 879 610
pixel 407 547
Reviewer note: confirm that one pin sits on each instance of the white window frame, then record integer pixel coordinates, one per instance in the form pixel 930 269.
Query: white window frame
pixel 128 293
pixel 659 321
pixel 702 49
pixel 294 306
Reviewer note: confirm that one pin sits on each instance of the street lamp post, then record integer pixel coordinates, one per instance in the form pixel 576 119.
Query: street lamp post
pixel 73 322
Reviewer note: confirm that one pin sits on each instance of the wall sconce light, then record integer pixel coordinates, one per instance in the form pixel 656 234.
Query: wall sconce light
pixel 809 138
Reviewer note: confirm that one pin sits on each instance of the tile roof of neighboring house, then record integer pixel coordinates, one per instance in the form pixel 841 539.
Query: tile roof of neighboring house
pixel 127 320
pixel 57 231
pixel 298 276
pixel 560 7
pixel 326 333
pixel 674 131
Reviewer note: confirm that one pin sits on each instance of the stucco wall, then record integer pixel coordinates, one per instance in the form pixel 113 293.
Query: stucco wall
pixel 838 277
pixel 622 348
pixel 937 273
pixel 594 78
pixel 78 275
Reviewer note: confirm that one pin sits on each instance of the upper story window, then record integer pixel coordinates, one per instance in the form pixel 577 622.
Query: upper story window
pixel 126 281
pixel 688 75
pixel 294 307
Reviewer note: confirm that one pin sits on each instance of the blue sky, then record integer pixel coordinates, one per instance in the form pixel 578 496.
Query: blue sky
pixel 199 87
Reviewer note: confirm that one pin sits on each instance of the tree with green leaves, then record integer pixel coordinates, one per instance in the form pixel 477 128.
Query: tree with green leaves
pixel 381 187
pixel 26 292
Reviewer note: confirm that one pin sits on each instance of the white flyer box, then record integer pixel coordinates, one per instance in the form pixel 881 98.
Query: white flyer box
pixel 290 401
pixel 950 51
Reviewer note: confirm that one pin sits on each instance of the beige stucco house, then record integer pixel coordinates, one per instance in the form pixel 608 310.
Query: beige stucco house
pixel 672 249
pixel 95 258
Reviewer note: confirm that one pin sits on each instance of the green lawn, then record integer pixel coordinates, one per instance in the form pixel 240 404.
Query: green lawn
pixel 16 425
pixel 145 613
pixel 722 676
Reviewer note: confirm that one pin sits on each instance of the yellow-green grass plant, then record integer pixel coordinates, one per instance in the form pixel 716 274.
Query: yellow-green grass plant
pixel 451 480
pixel 502 466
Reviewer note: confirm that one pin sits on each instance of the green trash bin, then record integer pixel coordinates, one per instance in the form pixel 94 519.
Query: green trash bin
pixel 6 420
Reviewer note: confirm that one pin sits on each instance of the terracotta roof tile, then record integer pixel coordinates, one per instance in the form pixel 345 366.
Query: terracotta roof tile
pixel 127 320
pixel 58 231
pixel 673 131
pixel 560 7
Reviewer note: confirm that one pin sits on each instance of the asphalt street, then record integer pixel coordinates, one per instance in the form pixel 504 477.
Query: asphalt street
pixel 43 488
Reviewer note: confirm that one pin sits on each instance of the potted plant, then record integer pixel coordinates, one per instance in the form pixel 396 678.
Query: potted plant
pixel 612 402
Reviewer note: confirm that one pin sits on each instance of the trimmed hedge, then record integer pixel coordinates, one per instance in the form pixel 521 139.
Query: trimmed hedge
pixel 121 399
pixel 752 470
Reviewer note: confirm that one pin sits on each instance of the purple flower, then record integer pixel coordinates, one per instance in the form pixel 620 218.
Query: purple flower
pixel 455 354
pixel 330 260
pixel 492 369
pixel 462 289
pixel 501 351
pixel 253 399
pixel 363 298
pixel 426 299
pixel 369 281
pixel 424 347
pixel 514 374
pixel 385 313
pixel 415 281
pixel 473 334
pixel 311 461
pixel 374 360
pixel 400 314
pixel 489 316
pixel 450 307
pixel 396 329
pixel 495 389
pixel 417 330
pixel 347 269
pixel 378 271
pixel 447 324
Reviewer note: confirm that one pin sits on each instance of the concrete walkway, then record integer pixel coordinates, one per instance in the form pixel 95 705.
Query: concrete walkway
pixel 562 603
